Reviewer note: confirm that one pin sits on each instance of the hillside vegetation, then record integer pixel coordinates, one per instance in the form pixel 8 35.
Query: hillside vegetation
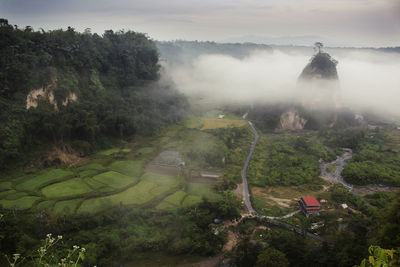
pixel 61 85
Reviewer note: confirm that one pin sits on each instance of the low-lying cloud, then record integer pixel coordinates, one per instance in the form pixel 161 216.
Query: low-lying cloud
pixel 369 80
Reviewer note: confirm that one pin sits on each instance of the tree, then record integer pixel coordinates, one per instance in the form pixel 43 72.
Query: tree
pixel 318 47
pixel 271 257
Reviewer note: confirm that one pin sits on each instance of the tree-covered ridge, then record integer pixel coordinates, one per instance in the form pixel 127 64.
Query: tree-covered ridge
pixel 103 86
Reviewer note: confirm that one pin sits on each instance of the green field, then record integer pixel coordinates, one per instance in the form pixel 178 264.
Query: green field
pixel 136 195
pixel 5 186
pixel 191 200
pixel 202 190
pixel 173 201
pixel 92 166
pixel 108 152
pixel 66 206
pixel 114 179
pixel 161 179
pixel 97 186
pixel 22 203
pixel 44 178
pixel 213 123
pixel 44 205
pixel 71 187
pixel 128 167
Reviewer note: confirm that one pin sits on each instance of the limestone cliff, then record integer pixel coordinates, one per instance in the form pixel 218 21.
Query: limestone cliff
pixel 291 120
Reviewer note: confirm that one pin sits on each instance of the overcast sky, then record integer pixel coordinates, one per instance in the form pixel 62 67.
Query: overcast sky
pixel 335 22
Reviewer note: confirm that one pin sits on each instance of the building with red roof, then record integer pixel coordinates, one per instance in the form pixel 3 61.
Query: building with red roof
pixel 309 205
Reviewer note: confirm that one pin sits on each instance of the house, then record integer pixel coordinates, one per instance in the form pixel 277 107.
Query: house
pixel 309 205
pixel 344 206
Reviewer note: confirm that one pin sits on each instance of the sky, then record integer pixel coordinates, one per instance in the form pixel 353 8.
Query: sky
pixel 357 23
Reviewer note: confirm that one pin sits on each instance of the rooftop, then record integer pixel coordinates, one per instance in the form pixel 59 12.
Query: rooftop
pixel 311 201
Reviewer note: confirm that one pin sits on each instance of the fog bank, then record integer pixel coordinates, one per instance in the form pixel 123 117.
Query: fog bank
pixel 369 80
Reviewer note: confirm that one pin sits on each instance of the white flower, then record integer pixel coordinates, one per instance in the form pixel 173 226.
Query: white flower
pixel 59 237
pixel 83 249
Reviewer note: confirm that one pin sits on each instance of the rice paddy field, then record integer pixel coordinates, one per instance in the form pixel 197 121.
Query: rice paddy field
pixel 122 176
pixel 112 178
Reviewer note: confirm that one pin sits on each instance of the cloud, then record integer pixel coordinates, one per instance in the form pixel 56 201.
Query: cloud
pixel 368 80
pixel 347 22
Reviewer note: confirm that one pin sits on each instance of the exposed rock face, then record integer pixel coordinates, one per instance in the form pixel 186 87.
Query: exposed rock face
pixel 47 93
pixel 291 121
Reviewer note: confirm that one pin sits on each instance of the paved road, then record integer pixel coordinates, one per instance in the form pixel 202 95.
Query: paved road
pixel 246 195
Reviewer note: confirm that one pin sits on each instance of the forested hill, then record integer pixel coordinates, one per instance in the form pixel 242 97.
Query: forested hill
pixel 82 89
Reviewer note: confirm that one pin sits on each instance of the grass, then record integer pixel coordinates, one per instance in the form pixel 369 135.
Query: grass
pixel 202 190
pixel 136 195
pixel 173 201
pixel 15 195
pixel 176 198
pixel 72 187
pixel 5 186
pixel 161 179
pixel 145 150
pixel 213 123
pixel 4 194
pixel 44 205
pixel 42 179
pixel 95 185
pixel 108 152
pixel 114 179
pixel 88 173
pixel 19 204
pixel 66 206
pixel 191 200
pixel 159 190
pixel 91 166
pixel 165 206
pixel 126 150
pixel 128 167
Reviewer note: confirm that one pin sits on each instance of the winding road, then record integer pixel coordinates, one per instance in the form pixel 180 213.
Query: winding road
pixel 246 197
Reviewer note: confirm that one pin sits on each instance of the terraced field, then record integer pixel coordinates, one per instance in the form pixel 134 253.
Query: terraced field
pixel 114 177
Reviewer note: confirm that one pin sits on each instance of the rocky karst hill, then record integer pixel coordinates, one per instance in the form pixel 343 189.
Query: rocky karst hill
pixel 319 85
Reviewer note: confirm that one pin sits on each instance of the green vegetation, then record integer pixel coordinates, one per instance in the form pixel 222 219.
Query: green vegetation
pixel 44 178
pixel 128 167
pixel 22 203
pixel 286 160
pixel 100 94
pixel 114 179
pixel 66 207
pixel 69 188
pixel 202 190
pixel 376 159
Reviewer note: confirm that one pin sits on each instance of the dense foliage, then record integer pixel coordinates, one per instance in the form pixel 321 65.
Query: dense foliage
pixel 112 78
pixel 286 160
pixel 115 237
pixel 376 159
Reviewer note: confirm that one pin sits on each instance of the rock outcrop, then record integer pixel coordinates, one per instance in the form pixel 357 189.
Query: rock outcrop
pixel 319 86
pixel 291 120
